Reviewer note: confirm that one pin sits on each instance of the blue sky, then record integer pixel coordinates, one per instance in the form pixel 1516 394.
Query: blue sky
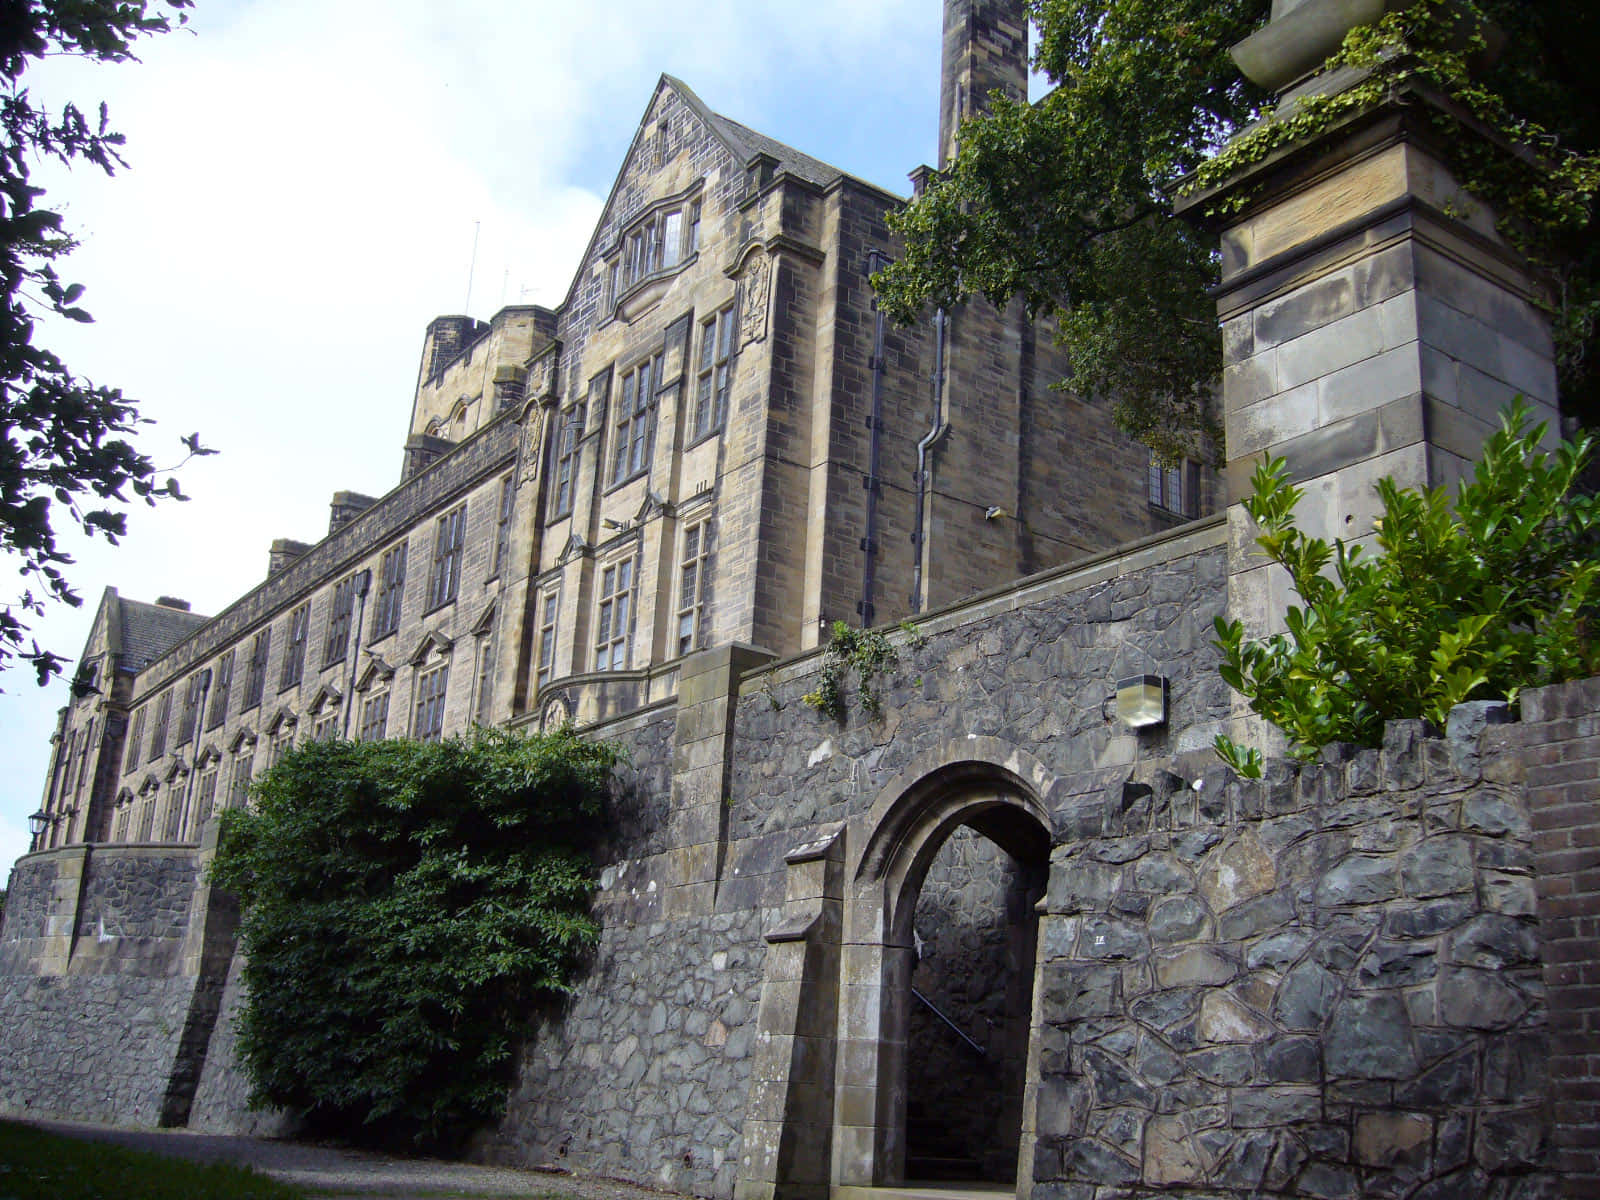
pixel 303 187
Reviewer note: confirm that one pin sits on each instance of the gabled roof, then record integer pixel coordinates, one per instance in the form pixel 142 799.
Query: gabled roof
pixel 743 143
pixel 148 631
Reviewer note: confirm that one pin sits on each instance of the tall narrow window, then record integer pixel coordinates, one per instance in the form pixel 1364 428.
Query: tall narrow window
pixel 693 586
pixel 83 757
pixel 614 616
pixel 566 464
pixel 630 449
pixel 485 683
pixel 502 530
pixel 282 740
pixel 255 680
pixel 712 376
pixel 158 735
pixel 671 239
pixel 344 603
pixel 1175 487
pixel 135 741
pixel 549 605
pixel 692 243
pixel 221 685
pixel 239 786
pixel 427 722
pixel 391 590
pixel 447 542
pixel 206 802
pixel 294 654
pixel 374 717
pixel 190 714
pixel 174 822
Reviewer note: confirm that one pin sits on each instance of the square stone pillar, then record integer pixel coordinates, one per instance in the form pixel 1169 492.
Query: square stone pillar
pixel 1374 324
pixel 708 684
pixel 61 919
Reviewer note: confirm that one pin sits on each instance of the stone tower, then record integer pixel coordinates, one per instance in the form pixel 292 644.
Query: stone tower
pixel 985 49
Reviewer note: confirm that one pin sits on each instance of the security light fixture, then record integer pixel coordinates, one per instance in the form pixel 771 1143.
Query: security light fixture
pixel 1142 701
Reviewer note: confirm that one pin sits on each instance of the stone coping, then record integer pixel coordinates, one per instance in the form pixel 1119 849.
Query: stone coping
pixel 1208 533
pixel 116 849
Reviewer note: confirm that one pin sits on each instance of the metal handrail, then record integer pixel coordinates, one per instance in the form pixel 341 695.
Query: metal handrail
pixel 956 1029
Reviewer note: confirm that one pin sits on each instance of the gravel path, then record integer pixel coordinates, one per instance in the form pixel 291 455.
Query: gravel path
pixel 335 1173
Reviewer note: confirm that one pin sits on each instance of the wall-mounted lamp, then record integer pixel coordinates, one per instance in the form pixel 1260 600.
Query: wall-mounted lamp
pixel 1142 701
pixel 38 822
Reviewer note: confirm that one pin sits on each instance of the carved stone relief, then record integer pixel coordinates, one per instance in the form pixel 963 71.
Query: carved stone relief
pixel 755 298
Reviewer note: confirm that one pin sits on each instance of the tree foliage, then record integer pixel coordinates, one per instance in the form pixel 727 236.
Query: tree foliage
pixel 1066 202
pixel 1475 596
pixel 405 904
pixel 64 442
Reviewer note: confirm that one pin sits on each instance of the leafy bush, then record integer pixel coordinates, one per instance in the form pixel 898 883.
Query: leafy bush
pixel 1471 600
pixel 404 905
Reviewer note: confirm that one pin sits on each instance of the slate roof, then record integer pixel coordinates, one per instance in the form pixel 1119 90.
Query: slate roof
pixel 150 630
pixel 745 142
pixel 813 170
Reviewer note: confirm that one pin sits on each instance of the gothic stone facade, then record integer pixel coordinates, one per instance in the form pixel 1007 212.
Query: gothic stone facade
pixel 715 439
pixel 991 932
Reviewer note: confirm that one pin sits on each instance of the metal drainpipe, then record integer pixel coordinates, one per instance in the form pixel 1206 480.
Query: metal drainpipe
pixel 363 584
pixel 876 261
pixel 930 439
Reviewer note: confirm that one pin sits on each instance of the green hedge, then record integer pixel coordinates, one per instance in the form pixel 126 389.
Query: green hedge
pixel 405 905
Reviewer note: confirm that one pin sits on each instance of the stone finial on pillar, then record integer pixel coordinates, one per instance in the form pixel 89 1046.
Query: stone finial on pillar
pixel 1374 322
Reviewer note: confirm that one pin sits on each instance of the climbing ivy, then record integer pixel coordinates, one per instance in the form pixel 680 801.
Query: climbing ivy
pixel 405 904
pixel 866 653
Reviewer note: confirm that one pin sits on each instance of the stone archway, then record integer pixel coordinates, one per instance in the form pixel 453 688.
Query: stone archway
pixel 903 835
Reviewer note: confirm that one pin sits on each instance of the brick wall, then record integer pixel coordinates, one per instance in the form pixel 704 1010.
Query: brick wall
pixel 1560 746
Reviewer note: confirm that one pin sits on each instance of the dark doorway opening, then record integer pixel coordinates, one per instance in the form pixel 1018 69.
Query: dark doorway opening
pixel 974 936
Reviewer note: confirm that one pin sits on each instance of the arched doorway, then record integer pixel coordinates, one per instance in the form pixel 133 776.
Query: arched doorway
pixel 975 813
pixel 974 940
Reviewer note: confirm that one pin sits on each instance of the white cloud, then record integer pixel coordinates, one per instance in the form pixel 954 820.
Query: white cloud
pixel 303 185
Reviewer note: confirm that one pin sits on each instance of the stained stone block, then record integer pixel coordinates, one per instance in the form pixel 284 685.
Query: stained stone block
pixel 1259 1107
pixel 1491 811
pixel 1510 1140
pixel 1359 879
pixel 1193 966
pixel 1171 1155
pixel 1292 1060
pixel 1478 1000
pixel 1325 1181
pixel 1180 919
pixel 1090 1160
pixel 1369 1037
pixel 1223 1019
pixel 1495 942
pixel 1238 870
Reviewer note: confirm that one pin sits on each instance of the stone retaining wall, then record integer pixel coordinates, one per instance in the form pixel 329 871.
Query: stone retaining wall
pixel 1325 983
pixel 1333 982
pixel 93 994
